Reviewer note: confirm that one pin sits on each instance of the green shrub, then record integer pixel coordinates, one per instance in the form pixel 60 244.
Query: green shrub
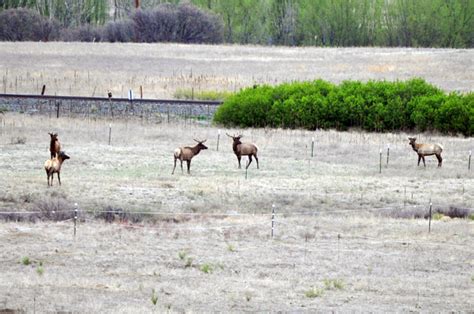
pixel 373 106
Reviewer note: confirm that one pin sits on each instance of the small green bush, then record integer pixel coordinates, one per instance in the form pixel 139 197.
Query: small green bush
pixel 26 261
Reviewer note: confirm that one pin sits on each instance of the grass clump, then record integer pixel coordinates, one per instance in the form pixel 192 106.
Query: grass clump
pixel 26 261
pixel 206 268
pixel 314 293
pixel 333 284
pixel 201 95
pixel 154 297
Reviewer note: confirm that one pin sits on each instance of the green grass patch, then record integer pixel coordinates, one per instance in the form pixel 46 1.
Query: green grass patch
pixel 189 94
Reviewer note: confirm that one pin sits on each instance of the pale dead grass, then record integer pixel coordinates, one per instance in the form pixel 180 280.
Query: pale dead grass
pixel 90 69
pixel 330 223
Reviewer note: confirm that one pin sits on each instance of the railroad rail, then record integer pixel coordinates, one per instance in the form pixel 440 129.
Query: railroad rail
pixel 114 99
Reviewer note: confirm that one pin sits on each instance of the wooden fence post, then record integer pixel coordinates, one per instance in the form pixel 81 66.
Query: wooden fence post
pixel 469 163
pixel 388 152
pixel 75 219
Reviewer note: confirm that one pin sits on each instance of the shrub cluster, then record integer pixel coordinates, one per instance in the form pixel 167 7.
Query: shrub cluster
pixel 373 106
pixel 183 23
pixel 27 25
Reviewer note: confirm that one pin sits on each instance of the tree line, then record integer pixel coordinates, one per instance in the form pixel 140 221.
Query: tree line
pixel 335 23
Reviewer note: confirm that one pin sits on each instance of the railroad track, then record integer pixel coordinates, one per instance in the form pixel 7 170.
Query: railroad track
pixel 113 99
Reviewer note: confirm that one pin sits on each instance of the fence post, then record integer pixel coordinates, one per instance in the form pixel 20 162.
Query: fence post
pixel 388 152
pixel 110 132
pixel 75 219
pixel 218 137
pixel 469 164
pixel 429 223
pixel 312 146
pixel 57 109
pixel 273 219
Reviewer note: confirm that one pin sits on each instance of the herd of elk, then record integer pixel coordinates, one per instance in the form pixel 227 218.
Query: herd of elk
pixel 426 150
pixel 186 153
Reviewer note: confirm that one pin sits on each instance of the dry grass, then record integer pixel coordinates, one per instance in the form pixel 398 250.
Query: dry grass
pixel 162 69
pixel 331 222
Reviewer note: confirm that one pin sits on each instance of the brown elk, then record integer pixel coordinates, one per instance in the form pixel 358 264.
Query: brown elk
pixel 426 150
pixel 187 153
pixel 54 145
pixel 244 149
pixel 53 165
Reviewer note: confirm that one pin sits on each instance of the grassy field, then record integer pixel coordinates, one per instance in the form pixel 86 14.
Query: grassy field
pixel 345 236
pixel 342 241
pixel 163 69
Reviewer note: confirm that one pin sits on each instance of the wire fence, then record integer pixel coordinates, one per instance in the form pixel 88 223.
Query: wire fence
pixel 275 221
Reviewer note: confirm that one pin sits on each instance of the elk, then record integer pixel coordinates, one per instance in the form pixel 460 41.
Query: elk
pixel 187 153
pixel 244 149
pixel 54 145
pixel 53 165
pixel 426 150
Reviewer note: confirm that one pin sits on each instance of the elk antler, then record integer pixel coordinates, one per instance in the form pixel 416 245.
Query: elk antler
pixel 200 141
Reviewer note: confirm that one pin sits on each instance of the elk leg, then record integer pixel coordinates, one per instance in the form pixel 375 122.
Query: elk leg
pixel 188 162
pixel 250 161
pixel 419 159
pixel 424 163
pixel 59 179
pixel 256 158
pixel 440 160
pixel 238 158
pixel 174 166
pixel 181 165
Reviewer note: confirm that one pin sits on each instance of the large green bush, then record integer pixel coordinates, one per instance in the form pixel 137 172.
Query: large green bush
pixel 374 106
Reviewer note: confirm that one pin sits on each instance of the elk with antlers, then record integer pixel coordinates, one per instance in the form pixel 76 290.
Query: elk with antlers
pixel 187 153
pixel 426 150
pixel 54 145
pixel 244 149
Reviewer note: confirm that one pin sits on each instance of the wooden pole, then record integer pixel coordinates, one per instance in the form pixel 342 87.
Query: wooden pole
pixel 75 219
pixel 469 164
pixel 218 137
pixel 388 152
pixel 312 147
